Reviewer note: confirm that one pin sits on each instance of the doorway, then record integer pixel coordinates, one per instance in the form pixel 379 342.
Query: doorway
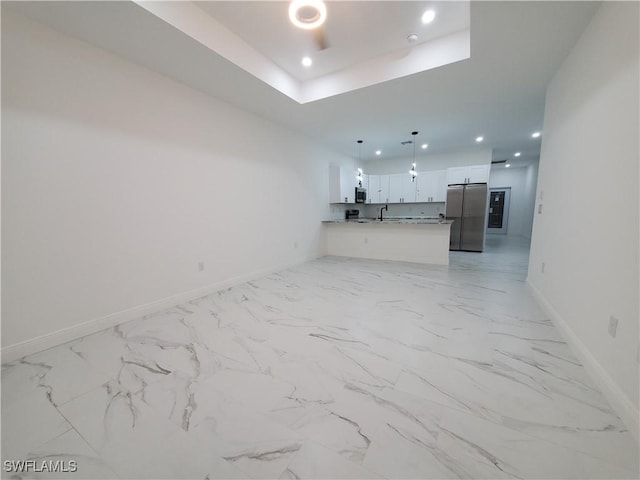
pixel 498 220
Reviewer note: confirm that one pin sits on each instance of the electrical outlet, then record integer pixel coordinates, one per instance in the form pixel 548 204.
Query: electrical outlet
pixel 201 266
pixel 542 267
pixel 540 208
pixel 613 326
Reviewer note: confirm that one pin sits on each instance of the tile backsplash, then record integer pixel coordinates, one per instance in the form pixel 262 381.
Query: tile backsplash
pixel 404 210
pixel 337 211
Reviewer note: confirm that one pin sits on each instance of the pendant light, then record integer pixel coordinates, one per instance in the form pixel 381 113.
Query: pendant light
pixel 413 172
pixel 359 175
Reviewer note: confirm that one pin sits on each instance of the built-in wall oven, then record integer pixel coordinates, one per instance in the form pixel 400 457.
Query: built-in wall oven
pixel 361 195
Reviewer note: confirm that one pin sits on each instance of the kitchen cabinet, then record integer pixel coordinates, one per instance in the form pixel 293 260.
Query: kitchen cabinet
pixel 342 184
pixel 401 188
pixel 468 174
pixel 372 189
pixel 378 191
pixel 456 175
pixel 432 186
pixel 478 173
pixel 384 189
pixel 395 188
pixel 409 188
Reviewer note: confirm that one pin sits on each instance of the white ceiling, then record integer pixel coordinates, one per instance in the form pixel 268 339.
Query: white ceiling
pixel 498 92
pixel 355 31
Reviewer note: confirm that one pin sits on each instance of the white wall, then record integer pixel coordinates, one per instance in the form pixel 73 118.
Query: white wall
pixel 117 181
pixel 522 182
pixel 587 234
pixel 530 184
pixel 426 162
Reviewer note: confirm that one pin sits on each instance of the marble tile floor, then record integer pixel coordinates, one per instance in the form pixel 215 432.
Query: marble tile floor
pixel 337 368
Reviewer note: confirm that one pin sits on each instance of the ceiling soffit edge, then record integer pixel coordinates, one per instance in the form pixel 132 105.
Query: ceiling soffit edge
pixel 203 28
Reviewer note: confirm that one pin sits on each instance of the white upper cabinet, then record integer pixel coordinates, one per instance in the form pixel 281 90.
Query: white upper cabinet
pixel 395 188
pixel 432 186
pixel 456 175
pixel 468 174
pixel 401 188
pixel 428 186
pixel 342 184
pixel 409 188
pixel 478 173
pixel 378 191
pixel 373 185
pixel 383 189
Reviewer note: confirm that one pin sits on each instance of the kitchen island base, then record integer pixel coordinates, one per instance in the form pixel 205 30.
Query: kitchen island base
pixel 400 241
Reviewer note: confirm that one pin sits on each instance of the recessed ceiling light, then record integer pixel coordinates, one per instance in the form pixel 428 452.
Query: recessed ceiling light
pixel 307 62
pixel 424 146
pixel 412 38
pixel 428 16
pixel 479 139
pixel 378 152
pixel 535 135
pixel 307 14
pixel 517 154
pixel 507 165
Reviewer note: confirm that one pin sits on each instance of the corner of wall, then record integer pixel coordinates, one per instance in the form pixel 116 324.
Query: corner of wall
pixel 622 405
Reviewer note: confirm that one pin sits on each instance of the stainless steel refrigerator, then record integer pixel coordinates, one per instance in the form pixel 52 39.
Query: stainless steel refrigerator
pixel 466 206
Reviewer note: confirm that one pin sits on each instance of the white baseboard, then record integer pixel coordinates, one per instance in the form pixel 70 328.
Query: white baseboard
pixel 622 405
pixel 49 340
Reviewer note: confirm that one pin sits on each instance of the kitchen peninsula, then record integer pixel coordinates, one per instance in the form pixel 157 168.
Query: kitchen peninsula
pixel 417 240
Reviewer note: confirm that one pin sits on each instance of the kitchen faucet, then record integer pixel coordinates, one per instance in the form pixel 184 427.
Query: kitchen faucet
pixel 386 207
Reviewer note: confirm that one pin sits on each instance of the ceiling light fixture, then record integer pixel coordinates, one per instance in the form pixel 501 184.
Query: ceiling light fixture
pixel 535 134
pixel 428 16
pixel 517 154
pixel 413 172
pixel 307 14
pixel 424 146
pixel 479 139
pixel 412 38
pixel 378 152
pixel 307 62
pixel 507 165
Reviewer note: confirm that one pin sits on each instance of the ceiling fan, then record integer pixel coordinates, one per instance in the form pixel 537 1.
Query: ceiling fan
pixel 310 15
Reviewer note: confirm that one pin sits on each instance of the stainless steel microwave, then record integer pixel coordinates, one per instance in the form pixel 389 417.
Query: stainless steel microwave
pixel 361 195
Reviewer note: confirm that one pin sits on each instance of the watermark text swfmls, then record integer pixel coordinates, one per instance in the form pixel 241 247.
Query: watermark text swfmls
pixel 39 466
